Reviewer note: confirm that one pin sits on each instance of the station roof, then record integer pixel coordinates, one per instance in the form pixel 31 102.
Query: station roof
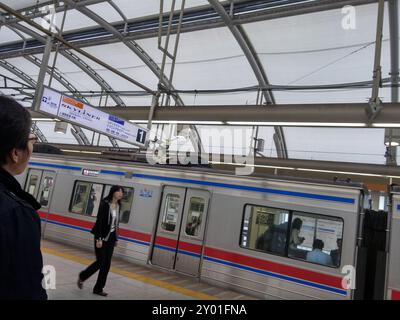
pixel 293 43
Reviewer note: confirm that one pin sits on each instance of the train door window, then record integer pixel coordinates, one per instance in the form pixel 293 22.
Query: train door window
pixel 126 202
pixel 32 184
pixel 47 184
pixel 316 239
pixel 86 198
pixel 171 212
pixel 265 229
pixel 195 216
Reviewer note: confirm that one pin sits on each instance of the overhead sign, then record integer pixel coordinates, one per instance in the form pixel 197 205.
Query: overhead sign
pixel 79 113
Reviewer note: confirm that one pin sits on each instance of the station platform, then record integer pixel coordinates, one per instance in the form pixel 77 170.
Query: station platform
pixel 126 281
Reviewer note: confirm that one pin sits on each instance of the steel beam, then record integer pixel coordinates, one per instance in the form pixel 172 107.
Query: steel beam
pixel 391 151
pixel 195 19
pixel 307 114
pixel 394 48
pixel 375 102
pixel 36 11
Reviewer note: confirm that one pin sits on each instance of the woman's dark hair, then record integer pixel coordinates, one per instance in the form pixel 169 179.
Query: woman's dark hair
pixel 297 223
pixel 15 126
pixel 112 191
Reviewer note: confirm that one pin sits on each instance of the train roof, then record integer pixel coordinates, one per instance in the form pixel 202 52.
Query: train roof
pixel 208 170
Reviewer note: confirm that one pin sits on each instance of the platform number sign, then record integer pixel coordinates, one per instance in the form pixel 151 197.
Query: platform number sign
pixel 141 136
pixel 72 110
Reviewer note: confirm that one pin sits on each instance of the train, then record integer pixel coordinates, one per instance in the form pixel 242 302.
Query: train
pixel 270 237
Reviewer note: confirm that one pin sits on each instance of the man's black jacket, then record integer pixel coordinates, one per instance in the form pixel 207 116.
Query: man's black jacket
pixel 21 260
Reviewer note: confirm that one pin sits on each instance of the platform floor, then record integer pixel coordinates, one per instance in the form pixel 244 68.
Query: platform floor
pixel 126 281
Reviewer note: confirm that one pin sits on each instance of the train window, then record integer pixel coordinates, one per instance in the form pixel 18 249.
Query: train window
pixel 126 203
pixel 33 180
pixel 47 183
pixel 86 198
pixel 265 229
pixel 171 212
pixel 316 239
pixel 195 216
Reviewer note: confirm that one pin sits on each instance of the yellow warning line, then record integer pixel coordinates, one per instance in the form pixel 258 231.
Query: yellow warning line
pixel 134 276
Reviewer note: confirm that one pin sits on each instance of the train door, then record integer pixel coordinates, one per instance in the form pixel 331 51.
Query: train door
pixel 33 182
pixel 180 230
pixel 40 184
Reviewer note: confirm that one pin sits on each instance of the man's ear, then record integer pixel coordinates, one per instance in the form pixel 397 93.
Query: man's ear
pixel 14 156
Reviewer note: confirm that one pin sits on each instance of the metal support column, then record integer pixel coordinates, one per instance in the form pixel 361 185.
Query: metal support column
pixel 391 150
pixel 42 72
pixel 375 102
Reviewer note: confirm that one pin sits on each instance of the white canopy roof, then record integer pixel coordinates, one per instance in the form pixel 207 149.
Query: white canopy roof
pixel 307 49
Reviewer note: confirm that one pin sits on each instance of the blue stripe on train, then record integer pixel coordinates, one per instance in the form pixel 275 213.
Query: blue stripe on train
pixel 214 184
pixel 239 187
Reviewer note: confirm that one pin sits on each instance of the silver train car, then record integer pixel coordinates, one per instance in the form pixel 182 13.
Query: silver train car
pixel 237 232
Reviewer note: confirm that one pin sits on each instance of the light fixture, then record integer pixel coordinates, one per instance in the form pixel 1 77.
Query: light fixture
pixel 44 119
pixel 392 144
pixel 386 125
pixel 296 124
pixel 81 151
pixel 180 122
pixel 304 169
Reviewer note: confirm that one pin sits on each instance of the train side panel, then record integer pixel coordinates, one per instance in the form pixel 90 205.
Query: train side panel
pixel 271 276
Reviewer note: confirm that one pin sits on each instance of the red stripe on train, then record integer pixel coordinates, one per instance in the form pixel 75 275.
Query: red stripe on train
pixel 274 267
pixel 166 242
pixel 190 247
pixel 67 220
pixel 395 295
pixel 89 225
pixel 172 243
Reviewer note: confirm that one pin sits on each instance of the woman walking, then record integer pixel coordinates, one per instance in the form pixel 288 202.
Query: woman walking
pixel 105 233
pixel 21 260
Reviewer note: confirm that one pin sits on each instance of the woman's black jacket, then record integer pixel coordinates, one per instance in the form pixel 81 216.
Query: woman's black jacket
pixel 102 227
pixel 21 260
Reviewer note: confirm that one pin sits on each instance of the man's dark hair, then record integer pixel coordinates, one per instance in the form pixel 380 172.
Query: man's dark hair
pixel 15 126
pixel 318 244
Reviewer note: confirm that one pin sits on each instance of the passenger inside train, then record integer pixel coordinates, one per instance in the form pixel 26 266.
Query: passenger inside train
pixel 317 256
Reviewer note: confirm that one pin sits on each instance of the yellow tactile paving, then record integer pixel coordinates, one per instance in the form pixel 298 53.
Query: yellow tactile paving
pixel 134 276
